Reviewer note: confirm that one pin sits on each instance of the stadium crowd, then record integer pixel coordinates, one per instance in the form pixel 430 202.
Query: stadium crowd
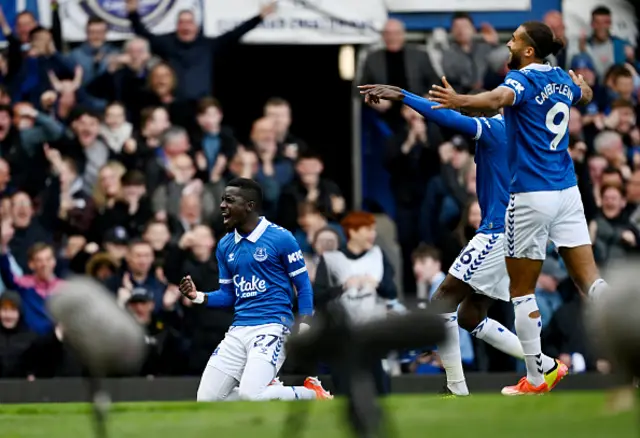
pixel 113 161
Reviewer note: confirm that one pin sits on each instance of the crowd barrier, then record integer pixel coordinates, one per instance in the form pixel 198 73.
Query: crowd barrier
pixel 184 388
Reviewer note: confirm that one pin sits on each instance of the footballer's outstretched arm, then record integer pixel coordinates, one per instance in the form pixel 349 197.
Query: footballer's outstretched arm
pixel 493 100
pixel 448 118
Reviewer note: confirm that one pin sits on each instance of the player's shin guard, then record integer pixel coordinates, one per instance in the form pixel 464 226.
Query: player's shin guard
pixel 449 352
pixel 528 328
pixel 598 289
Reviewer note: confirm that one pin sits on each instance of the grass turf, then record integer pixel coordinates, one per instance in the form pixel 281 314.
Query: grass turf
pixel 493 416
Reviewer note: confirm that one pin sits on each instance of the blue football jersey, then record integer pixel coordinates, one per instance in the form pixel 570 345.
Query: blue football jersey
pixel 537 128
pixel 260 270
pixel 492 173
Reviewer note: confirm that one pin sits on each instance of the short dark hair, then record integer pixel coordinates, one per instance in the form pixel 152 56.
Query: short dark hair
pixel 309 155
pixel 542 39
pixel 133 178
pixel 95 20
pixel 616 72
pixel 462 15
pixel 277 101
pixel 37 248
pixel 207 102
pixel 622 103
pixel 424 251
pixel 600 10
pixel 36 30
pixel 138 241
pixel 249 190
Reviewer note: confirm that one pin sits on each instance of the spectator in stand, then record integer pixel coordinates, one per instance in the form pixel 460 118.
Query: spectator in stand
pixel 33 289
pixel 447 193
pixel 17 146
pixel 465 62
pixel 166 352
pixel 609 145
pixel 264 141
pixel 15 337
pixel 126 78
pixel 310 222
pixel 166 198
pixel 189 53
pixel 453 243
pixel 612 234
pixel 115 130
pixel 309 186
pixel 175 141
pixel 397 64
pixel 34 76
pixel 27 228
pixel 18 41
pixel 86 147
pixel 427 269
pixel 555 21
pixel 605 49
pixel 64 195
pixel 211 140
pixel 279 110
pixel 633 200
pixel 138 273
pixel 94 55
pixel 326 239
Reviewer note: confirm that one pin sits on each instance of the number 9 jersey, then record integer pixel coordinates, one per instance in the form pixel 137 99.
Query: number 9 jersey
pixel 537 128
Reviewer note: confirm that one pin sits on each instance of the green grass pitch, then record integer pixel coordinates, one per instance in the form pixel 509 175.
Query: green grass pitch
pixel 575 414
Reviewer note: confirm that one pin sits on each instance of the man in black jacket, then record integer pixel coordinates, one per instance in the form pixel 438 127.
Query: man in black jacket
pixel 15 337
pixel 189 53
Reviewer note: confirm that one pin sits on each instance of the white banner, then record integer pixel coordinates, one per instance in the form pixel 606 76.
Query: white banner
pixel 457 5
pixel 301 21
pixel 577 18
pixel 158 15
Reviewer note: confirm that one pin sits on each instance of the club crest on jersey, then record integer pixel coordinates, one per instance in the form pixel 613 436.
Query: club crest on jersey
pixel 260 254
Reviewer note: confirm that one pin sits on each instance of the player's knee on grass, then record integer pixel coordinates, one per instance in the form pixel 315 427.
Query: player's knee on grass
pixel 215 385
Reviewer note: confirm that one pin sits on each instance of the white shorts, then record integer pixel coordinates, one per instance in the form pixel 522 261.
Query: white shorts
pixel 534 218
pixel 481 265
pixel 242 344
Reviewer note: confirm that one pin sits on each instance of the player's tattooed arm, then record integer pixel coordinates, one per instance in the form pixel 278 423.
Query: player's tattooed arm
pixel 493 100
pixel 587 92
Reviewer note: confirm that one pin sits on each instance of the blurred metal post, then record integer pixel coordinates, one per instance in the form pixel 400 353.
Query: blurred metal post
pixel 356 143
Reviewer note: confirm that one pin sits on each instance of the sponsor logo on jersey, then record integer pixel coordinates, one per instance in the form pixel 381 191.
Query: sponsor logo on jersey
pixel 295 256
pixel 114 12
pixel 260 255
pixel 231 257
pixel 515 84
pixel 248 288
